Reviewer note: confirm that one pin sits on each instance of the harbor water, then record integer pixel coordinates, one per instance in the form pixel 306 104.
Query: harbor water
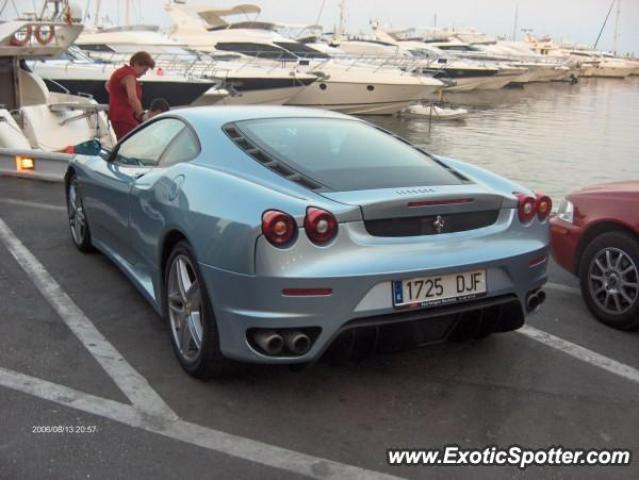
pixel 550 137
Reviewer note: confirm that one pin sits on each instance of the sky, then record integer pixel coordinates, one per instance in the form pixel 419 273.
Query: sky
pixel 572 20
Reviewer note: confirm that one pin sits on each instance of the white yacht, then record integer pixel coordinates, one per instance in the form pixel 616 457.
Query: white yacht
pixel 245 81
pixel 349 88
pixel 540 68
pixel 598 64
pixel 447 60
pixel 592 63
pixel 30 115
pixel 467 74
pixel 74 72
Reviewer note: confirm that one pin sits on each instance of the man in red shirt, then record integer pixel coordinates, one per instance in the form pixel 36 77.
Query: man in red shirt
pixel 125 94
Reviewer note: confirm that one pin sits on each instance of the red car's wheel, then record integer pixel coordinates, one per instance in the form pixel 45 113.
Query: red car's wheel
pixel 609 277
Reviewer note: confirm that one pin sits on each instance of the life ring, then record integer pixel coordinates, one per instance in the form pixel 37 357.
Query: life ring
pixel 46 37
pixel 15 38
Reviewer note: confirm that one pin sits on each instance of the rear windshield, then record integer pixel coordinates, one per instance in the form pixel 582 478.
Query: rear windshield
pixel 345 155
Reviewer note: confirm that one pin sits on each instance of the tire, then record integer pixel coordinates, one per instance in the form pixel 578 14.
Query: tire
pixel 186 304
pixel 78 223
pixel 609 278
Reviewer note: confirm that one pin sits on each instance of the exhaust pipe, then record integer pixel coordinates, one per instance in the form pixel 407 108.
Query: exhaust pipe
pixel 297 342
pixel 532 302
pixel 541 296
pixel 269 341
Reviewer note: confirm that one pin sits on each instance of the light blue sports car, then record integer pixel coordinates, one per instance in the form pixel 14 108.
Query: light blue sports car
pixel 268 234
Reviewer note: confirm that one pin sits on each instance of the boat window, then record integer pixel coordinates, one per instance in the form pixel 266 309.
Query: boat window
pixel 96 47
pixel 301 50
pixel 74 54
pixel 183 148
pixel 145 147
pixel 457 48
pixel 260 50
pixel 223 57
pixel 152 49
pixel 344 154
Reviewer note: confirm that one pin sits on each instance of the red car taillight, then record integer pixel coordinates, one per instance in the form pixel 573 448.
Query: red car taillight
pixel 278 227
pixel 526 208
pixel 544 206
pixel 320 225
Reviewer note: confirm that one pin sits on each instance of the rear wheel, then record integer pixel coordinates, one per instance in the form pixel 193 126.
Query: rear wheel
pixel 78 225
pixel 609 277
pixel 189 313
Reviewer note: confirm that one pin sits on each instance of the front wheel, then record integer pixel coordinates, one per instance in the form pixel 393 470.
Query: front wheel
pixel 190 316
pixel 78 225
pixel 609 278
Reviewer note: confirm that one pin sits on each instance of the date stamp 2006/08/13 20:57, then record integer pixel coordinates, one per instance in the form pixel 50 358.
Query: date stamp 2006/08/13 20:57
pixel 74 429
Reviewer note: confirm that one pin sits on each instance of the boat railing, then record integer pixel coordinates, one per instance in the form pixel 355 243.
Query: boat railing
pixel 206 65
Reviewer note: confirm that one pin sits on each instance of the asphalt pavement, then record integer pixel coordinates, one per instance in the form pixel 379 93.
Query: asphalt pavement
pixel 327 421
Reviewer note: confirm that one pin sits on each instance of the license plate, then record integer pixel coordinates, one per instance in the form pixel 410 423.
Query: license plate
pixel 439 289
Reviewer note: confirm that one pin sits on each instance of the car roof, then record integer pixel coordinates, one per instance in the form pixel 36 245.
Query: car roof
pixel 219 115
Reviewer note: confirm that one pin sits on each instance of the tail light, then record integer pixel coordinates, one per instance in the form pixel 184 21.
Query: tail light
pixel 279 228
pixel 320 225
pixel 544 206
pixel 526 208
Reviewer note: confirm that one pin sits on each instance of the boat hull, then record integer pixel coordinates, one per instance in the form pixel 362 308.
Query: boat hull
pixel 267 96
pixel 493 82
pixel 362 98
pixel 606 72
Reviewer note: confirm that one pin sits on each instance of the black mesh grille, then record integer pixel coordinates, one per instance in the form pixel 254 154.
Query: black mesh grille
pixel 427 225
pixel 269 161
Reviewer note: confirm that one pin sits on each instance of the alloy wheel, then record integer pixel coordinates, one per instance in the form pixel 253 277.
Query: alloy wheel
pixel 184 301
pixel 613 280
pixel 77 218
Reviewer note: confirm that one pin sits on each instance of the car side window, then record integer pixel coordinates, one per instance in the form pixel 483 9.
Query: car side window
pixel 183 148
pixel 144 148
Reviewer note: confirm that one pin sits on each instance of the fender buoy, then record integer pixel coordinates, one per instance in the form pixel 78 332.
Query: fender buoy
pixel 16 41
pixel 44 35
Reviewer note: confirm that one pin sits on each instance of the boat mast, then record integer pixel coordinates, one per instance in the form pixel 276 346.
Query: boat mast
pixel 515 23
pixel 604 24
pixel 319 14
pixel 56 8
pixel 97 13
pixel 342 16
pixel 614 48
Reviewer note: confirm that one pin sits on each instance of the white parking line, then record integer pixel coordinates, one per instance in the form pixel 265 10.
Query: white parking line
pixel 132 384
pixel 215 440
pixel 69 397
pixel 26 203
pixel 149 412
pixel 581 353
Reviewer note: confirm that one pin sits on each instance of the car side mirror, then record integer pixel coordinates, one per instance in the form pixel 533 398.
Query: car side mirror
pixel 90 147
pixel 105 154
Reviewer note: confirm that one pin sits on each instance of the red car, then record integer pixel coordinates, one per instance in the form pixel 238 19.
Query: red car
pixel 595 235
